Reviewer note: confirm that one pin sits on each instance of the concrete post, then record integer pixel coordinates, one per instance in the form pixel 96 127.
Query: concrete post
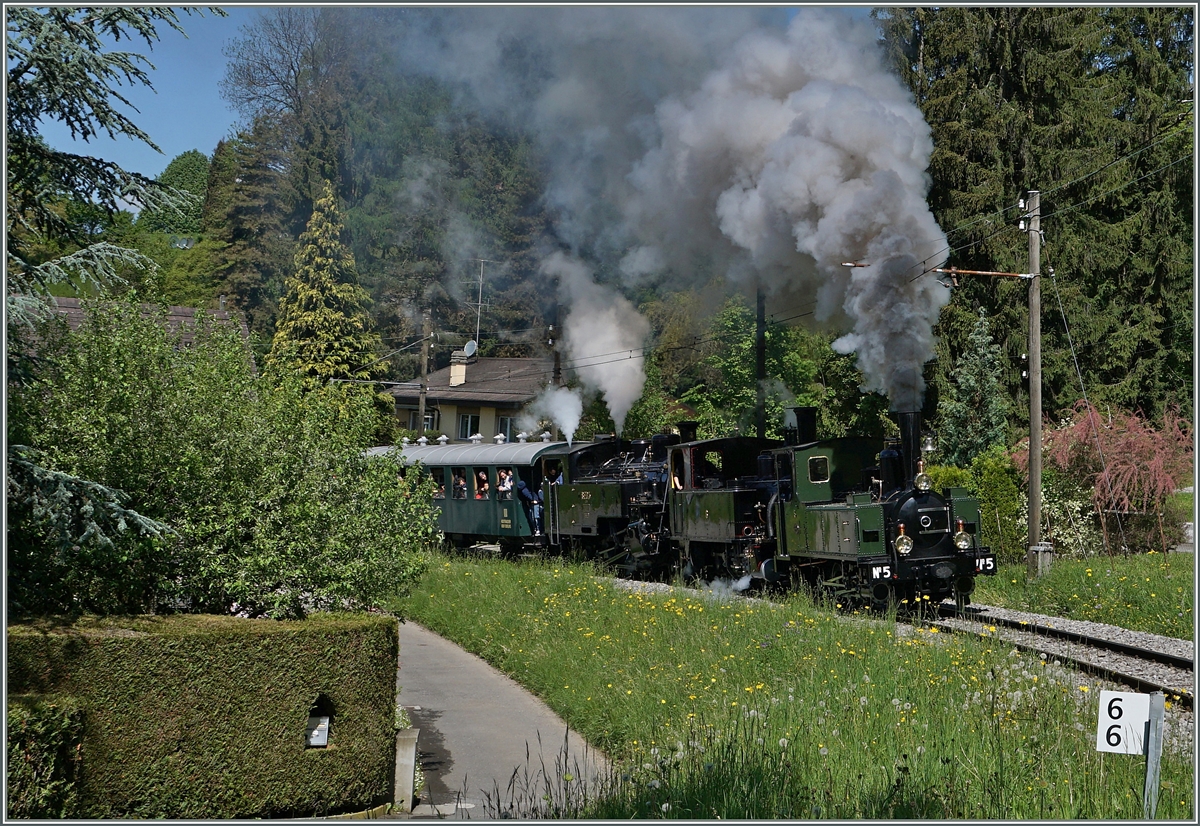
pixel 406 769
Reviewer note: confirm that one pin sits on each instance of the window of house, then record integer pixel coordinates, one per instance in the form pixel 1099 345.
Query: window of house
pixel 504 424
pixel 414 420
pixel 468 425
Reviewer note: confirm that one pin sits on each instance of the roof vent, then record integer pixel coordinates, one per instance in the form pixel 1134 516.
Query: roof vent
pixel 499 437
pixel 522 437
pixel 406 441
pixel 443 439
pixel 545 435
pixel 424 440
pixel 477 439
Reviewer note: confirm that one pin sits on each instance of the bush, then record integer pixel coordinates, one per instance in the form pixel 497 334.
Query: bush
pixel 275 509
pixel 204 717
pixel 993 478
pixel 1130 468
pixel 43 741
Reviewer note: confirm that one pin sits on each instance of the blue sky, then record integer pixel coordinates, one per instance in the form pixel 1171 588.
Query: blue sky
pixel 185 110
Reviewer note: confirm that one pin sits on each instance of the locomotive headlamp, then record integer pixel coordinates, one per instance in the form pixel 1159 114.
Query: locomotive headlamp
pixel 962 539
pixel 921 481
pixel 903 543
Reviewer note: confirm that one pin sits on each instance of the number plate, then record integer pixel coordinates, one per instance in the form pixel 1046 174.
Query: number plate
pixel 1123 718
pixel 985 565
pixel 881 572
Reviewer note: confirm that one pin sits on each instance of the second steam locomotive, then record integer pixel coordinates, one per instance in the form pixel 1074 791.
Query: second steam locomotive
pixel 850 520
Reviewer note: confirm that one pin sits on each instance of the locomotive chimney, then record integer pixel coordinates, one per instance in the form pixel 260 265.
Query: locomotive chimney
pixel 910 443
pixel 687 431
pixel 806 424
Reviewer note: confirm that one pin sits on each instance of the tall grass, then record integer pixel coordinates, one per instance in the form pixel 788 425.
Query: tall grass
pixel 1144 592
pixel 718 707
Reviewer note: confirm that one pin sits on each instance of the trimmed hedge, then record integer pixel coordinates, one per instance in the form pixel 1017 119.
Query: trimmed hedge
pixel 201 716
pixel 44 739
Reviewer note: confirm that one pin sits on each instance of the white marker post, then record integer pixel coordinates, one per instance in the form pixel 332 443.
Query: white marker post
pixel 1132 724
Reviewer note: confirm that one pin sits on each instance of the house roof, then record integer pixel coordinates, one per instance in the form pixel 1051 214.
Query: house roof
pixel 495 382
pixel 180 321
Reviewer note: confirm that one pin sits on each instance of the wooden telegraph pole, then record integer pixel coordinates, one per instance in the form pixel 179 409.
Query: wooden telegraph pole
pixel 760 363
pixel 1034 557
pixel 426 335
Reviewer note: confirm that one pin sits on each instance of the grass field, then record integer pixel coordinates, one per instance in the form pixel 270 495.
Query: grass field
pixel 718 707
pixel 1145 592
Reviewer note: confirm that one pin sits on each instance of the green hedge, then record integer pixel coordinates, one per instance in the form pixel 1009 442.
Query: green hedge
pixel 43 741
pixel 200 716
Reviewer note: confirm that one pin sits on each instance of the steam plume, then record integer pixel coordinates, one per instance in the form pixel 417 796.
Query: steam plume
pixel 561 405
pixel 679 142
pixel 603 335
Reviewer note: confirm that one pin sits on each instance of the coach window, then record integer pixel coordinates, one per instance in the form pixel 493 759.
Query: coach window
pixel 483 488
pixel 459 482
pixel 818 469
pixel 439 482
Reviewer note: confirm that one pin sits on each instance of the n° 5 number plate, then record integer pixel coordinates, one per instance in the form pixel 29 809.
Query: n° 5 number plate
pixel 985 565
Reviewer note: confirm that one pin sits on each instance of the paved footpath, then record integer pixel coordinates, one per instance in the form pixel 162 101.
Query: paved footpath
pixel 479 743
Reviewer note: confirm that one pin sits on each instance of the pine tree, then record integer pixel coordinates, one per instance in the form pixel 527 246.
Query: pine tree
pixel 973 413
pixel 324 331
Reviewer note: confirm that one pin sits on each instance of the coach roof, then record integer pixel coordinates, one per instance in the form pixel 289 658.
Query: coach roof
pixel 509 453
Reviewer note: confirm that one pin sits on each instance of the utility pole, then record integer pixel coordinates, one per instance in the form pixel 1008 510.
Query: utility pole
pixel 426 334
pixel 556 377
pixel 760 362
pixel 1035 382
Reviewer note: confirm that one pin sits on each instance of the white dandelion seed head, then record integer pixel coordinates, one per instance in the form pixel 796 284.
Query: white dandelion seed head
pixel 783 742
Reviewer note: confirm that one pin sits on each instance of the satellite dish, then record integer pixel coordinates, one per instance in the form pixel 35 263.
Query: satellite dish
pixel 470 347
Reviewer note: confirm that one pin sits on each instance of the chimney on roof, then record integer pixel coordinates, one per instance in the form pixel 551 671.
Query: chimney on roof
pixel 458 367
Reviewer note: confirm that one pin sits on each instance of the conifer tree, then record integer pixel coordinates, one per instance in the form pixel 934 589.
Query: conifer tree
pixel 248 196
pixel 324 331
pixel 1092 107
pixel 187 172
pixel 973 413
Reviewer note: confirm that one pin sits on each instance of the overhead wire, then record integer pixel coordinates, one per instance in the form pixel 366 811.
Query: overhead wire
pixel 1083 389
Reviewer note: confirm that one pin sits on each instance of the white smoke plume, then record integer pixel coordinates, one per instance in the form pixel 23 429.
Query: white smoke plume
pixel 805 152
pixel 682 142
pixel 603 335
pixel 561 405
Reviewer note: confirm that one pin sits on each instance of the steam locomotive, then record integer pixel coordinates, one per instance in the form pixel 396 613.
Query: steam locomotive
pixel 839 515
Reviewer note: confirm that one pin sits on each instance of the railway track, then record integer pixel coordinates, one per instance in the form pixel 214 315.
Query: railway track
pixel 1144 662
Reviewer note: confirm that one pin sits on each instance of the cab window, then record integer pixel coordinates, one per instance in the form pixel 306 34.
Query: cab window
pixel 818 469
